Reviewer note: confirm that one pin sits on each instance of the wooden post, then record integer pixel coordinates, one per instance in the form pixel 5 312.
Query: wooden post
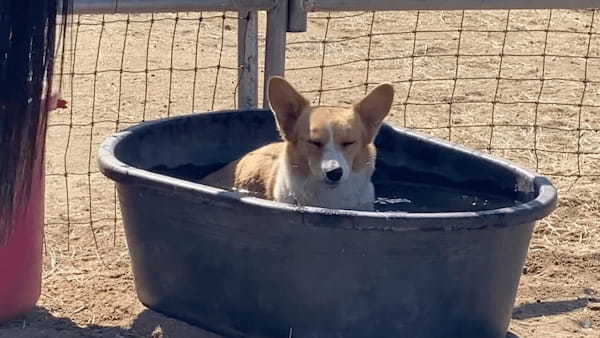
pixel 247 60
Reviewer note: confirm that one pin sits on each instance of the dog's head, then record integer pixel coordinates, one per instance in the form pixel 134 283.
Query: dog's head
pixel 328 142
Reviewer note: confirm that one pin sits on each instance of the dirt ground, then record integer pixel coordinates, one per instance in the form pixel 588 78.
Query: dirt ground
pixel 523 85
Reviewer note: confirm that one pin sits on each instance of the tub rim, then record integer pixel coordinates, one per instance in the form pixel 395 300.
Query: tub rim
pixel 542 205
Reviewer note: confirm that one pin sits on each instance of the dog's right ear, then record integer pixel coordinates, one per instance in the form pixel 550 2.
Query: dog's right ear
pixel 287 104
pixel 374 107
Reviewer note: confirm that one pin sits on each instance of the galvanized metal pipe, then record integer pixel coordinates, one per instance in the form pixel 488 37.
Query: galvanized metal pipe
pixel 275 44
pixel 155 6
pixel 300 6
pixel 297 16
pixel 248 60
pixel 391 5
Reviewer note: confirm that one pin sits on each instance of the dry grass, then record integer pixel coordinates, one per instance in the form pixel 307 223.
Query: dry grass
pixel 538 124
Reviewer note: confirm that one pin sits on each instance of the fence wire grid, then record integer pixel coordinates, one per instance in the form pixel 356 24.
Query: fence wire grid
pixel 523 85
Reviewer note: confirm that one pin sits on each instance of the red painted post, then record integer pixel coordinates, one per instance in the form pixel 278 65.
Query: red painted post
pixel 21 257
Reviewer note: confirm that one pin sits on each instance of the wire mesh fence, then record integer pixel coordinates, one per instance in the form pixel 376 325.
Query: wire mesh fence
pixel 126 69
pixel 506 82
pixel 523 85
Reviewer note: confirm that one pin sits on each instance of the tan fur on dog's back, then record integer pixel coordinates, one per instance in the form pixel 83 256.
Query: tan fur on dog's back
pixel 255 172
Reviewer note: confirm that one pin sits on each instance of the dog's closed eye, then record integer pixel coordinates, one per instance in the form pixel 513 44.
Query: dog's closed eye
pixel 316 143
pixel 347 144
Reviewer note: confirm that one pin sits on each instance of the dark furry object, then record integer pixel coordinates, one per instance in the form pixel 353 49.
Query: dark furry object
pixel 27 46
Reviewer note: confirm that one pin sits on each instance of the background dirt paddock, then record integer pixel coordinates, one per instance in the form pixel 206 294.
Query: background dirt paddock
pixel 523 85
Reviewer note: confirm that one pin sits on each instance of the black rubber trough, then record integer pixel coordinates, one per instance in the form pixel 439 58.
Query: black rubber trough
pixel 441 258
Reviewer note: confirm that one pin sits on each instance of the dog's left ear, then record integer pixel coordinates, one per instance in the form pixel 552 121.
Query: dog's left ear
pixel 374 107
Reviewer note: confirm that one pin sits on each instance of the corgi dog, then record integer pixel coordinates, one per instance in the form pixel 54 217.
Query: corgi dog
pixel 326 157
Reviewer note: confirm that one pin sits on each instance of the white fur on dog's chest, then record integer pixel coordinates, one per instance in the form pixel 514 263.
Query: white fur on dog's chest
pixel 356 193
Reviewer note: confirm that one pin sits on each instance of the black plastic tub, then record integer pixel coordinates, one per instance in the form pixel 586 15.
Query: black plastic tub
pixel 443 259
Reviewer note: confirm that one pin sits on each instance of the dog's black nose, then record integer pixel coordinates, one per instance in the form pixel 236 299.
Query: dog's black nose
pixel 335 174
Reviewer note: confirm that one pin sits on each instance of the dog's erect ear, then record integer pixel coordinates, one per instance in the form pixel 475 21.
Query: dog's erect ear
pixel 374 107
pixel 286 103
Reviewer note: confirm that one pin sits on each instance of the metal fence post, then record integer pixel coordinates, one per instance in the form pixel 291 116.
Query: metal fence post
pixel 297 16
pixel 277 19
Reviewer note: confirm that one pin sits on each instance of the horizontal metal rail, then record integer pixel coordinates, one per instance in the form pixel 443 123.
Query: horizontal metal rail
pixel 153 6
pixel 157 6
pixel 394 5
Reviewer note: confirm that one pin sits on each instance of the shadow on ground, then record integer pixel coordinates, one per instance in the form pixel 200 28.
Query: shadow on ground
pixel 548 308
pixel 40 323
